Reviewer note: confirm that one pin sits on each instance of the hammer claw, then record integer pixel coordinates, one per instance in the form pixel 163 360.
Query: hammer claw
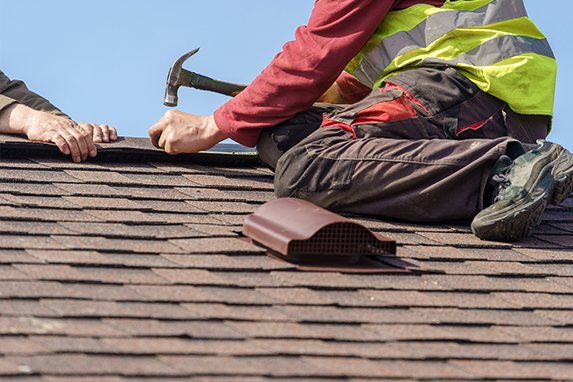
pixel 180 77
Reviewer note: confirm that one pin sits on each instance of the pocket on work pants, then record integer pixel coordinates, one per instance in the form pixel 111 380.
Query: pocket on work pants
pixel 383 114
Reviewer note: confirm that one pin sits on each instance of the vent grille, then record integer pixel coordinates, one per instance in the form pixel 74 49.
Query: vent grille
pixel 342 239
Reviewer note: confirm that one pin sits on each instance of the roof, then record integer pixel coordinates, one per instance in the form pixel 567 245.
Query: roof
pixel 128 267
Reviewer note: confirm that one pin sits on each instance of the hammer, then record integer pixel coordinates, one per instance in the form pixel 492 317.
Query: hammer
pixel 180 77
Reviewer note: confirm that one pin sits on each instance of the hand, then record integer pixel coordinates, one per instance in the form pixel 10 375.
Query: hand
pixel 99 133
pixel 179 132
pixel 71 138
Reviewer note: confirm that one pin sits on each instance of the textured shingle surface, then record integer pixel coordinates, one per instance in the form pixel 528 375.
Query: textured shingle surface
pixel 129 269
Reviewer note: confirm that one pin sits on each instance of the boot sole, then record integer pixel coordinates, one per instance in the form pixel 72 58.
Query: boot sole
pixel 520 219
pixel 563 174
pixel 514 225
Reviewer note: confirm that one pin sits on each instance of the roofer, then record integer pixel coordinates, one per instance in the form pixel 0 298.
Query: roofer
pixel 25 112
pixel 462 92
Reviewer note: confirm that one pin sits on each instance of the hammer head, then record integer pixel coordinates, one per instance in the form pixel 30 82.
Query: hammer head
pixel 175 79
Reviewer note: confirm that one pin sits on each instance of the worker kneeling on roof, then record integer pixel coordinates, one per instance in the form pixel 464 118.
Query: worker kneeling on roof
pixel 440 114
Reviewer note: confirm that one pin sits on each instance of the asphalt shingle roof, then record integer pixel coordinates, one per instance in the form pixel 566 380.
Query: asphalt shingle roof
pixel 129 268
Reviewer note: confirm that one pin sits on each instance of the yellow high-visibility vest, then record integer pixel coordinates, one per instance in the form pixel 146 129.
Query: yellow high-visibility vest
pixel 491 42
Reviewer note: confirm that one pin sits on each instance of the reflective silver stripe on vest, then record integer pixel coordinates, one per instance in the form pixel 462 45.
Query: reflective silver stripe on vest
pixel 432 28
pixel 496 50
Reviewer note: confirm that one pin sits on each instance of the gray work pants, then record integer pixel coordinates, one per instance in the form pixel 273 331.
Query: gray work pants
pixel 432 166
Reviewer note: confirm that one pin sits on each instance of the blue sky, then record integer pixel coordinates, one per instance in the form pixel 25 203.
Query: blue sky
pixel 107 61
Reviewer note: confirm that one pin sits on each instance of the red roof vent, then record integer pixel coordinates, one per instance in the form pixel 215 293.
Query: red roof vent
pixel 302 233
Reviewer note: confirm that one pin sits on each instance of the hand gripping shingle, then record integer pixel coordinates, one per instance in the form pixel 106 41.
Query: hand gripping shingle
pixel 180 77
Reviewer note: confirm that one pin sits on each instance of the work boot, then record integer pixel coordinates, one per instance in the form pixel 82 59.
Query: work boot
pixel 522 191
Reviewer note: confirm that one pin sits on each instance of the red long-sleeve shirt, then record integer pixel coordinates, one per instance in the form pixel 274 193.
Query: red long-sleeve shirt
pixel 336 31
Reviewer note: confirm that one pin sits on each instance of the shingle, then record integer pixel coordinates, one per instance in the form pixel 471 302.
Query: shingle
pixel 306 331
pixel 39 201
pixel 516 370
pixel 53 289
pixel 32 325
pixel 98 190
pixel 483 317
pixel 538 300
pixel 34 188
pixel 214 230
pixel 86 308
pixel 538 334
pixel 122 216
pixel 9 256
pixel 66 344
pixel 353 315
pixel 176 218
pixel 140 260
pixel 491 254
pixel 155 192
pixel 560 317
pixel 223 182
pixel 410 238
pixel 101 243
pixel 227 261
pixel 106 177
pixel 224 207
pixel 40 176
pixel 99 378
pixel 168 206
pixel 387 369
pixel 493 284
pixel 20 345
pixel 193 329
pixel 296 347
pixel 442 332
pixel 191 276
pixel 73 364
pixel 209 194
pixel 215 245
pixel 307 296
pixel 45 214
pixel 561 240
pixel 439 299
pixel 33 228
pixel 33 242
pixel 139 231
pixel 460 240
pixel 183 346
pixel 546 255
pixel 62 163
pixel 24 308
pixel 99 274
pixel 507 268
pixel 10 368
pixel 253 279
pixel 258 196
pixel 101 202
pixel 236 313
pixel 70 257
pixel 159 179
pixel 8 272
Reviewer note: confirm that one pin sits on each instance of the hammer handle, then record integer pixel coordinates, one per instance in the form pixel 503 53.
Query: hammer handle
pixel 201 82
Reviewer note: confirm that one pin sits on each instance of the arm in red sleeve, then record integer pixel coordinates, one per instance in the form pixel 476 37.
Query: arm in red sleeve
pixel 305 69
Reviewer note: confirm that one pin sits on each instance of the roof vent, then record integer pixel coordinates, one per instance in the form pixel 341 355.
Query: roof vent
pixel 313 238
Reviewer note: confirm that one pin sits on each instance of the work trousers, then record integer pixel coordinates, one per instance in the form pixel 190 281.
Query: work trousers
pixel 421 149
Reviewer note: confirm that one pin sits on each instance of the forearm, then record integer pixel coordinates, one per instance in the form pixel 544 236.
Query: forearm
pixel 7 125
